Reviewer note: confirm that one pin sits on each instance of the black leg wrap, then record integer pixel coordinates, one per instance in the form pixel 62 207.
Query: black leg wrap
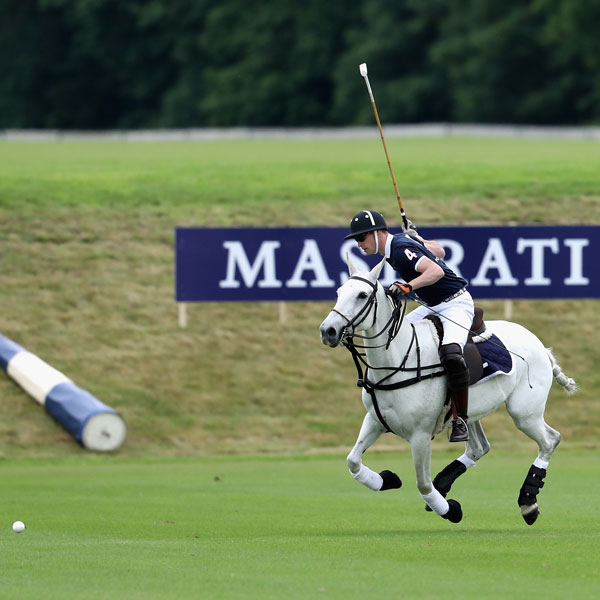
pixel 531 486
pixel 446 477
pixel 391 481
pixel 454 515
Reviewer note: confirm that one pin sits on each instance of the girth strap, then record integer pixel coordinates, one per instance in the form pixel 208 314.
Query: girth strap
pixel 377 411
pixel 370 386
pixel 400 384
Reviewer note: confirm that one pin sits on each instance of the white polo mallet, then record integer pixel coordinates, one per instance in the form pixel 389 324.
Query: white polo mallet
pixel 363 72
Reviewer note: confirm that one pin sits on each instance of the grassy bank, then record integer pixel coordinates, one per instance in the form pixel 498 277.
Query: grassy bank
pixel 86 249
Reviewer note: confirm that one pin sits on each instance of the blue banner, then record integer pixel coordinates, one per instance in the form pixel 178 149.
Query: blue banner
pixel 309 263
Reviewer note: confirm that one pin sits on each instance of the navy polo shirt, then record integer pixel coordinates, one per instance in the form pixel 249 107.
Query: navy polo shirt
pixel 405 253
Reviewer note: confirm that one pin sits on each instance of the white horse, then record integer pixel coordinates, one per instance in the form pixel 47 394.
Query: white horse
pixel 418 411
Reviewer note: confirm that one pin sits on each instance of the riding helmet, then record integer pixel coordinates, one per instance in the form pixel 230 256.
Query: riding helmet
pixel 365 221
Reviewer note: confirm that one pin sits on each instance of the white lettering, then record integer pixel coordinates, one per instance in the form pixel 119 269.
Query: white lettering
pixel 457 253
pixel 494 258
pixel 265 258
pixel 537 258
pixel 358 262
pixel 261 270
pixel 386 277
pixel 576 271
pixel 310 260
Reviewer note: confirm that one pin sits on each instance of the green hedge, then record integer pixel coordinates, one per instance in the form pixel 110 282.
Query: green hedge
pixel 93 64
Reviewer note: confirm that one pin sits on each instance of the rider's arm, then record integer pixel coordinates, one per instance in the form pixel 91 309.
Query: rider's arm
pixel 430 273
pixel 435 248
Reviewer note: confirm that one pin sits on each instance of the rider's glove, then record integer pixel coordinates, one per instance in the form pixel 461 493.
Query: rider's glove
pixel 397 289
pixel 410 228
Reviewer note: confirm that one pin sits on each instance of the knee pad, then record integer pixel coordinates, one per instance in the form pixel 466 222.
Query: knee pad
pixel 455 365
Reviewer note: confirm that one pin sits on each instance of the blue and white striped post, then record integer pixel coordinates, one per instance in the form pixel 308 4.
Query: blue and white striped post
pixel 94 425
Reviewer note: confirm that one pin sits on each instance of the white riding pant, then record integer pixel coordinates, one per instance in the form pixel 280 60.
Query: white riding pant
pixel 456 316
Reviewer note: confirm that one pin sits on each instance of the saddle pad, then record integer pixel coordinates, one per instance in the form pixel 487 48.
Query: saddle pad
pixel 495 357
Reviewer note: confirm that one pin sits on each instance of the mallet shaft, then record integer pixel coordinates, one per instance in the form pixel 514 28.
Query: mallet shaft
pixel 363 72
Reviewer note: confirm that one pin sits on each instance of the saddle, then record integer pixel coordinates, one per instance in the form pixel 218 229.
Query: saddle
pixel 471 352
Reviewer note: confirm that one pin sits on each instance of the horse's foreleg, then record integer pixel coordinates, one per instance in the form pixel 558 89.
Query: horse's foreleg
pixel 368 435
pixel 420 445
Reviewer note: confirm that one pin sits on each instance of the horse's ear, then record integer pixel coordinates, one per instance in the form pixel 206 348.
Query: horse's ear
pixel 351 268
pixel 376 270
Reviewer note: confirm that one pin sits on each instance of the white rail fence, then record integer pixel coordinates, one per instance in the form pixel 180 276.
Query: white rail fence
pixel 244 133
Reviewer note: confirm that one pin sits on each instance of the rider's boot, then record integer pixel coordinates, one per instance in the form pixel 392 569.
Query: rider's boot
pixel 459 432
pixel 457 373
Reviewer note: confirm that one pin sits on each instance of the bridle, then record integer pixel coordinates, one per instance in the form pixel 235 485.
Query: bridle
pixel 364 311
pixel 393 327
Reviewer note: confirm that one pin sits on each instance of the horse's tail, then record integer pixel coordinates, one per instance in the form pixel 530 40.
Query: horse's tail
pixel 569 384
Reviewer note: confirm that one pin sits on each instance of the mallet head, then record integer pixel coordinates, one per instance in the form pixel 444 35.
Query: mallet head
pixel 363 69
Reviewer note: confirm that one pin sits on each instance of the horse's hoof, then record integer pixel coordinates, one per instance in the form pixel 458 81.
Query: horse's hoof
pixel 530 513
pixel 391 481
pixel 428 508
pixel 454 514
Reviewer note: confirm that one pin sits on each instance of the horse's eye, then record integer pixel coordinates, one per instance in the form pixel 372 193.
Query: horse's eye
pixel 363 295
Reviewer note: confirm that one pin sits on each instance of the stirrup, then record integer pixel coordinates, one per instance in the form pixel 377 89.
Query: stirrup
pixel 459 431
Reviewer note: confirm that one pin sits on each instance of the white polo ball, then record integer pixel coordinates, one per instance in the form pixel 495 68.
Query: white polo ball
pixel 18 526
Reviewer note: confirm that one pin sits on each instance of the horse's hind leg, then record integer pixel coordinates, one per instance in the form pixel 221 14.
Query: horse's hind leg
pixel 547 439
pixel 368 435
pixel 475 448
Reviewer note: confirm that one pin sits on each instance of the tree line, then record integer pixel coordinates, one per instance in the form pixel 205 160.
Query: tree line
pixel 97 64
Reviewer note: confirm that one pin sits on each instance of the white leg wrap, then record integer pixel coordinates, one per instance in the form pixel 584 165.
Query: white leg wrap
pixel 369 478
pixel 436 502
pixel 465 460
pixel 540 464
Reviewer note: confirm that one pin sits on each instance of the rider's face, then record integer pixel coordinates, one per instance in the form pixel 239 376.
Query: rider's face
pixel 367 245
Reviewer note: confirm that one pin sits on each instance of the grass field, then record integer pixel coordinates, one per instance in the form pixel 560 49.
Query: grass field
pixel 232 482
pixel 449 181
pixel 292 527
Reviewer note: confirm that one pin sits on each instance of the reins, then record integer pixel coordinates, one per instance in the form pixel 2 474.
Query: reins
pixel 393 327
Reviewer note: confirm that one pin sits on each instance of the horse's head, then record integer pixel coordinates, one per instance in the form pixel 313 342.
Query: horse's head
pixel 356 299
